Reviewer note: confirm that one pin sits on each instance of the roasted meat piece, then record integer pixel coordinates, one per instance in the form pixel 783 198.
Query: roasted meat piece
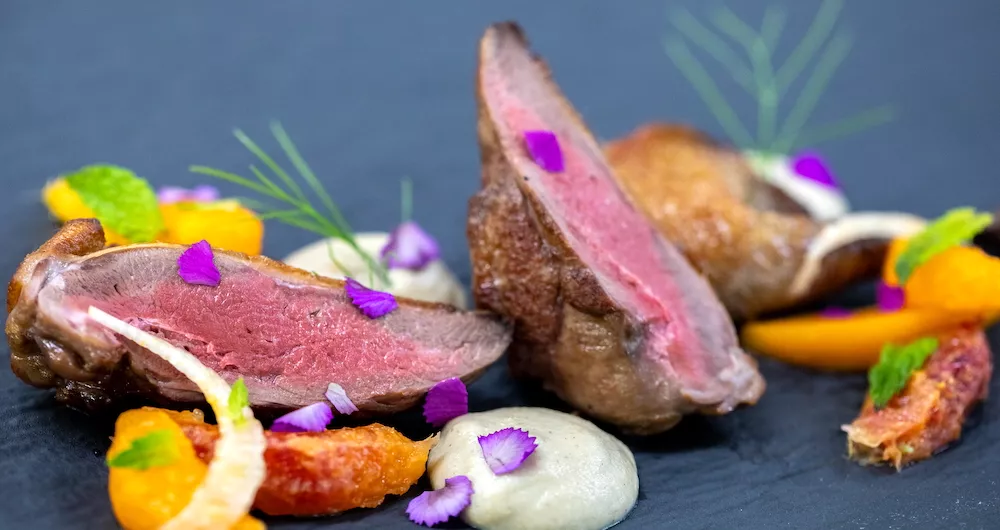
pixel 286 332
pixel 607 313
pixel 757 246
pixel 322 473
pixel 928 414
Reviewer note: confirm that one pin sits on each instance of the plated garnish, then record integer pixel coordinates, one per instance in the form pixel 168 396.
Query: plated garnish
pixel 591 287
pixel 920 396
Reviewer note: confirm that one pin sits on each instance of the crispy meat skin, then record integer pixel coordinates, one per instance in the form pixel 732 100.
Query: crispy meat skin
pixel 287 332
pixel 928 414
pixel 581 325
pixel 747 237
pixel 323 473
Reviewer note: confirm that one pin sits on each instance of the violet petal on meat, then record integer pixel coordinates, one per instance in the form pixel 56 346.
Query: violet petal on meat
pixel 335 393
pixel 372 303
pixel 506 449
pixel 196 265
pixel 445 401
pixel 545 151
pixel 810 165
pixel 889 298
pixel 433 507
pixel 410 247
pixel 311 418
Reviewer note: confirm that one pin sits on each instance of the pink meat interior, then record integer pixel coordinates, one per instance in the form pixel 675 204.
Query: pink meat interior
pixel 291 339
pixel 634 264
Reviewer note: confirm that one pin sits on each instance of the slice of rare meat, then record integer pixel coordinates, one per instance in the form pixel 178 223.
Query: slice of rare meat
pixel 286 332
pixel 607 313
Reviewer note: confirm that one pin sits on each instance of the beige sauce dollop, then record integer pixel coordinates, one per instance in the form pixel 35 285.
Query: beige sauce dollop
pixel 433 283
pixel 579 476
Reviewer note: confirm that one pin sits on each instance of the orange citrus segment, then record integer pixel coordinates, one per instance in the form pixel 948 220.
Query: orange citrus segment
pixel 960 279
pixel 65 204
pixel 225 225
pixel 146 499
pixel 851 343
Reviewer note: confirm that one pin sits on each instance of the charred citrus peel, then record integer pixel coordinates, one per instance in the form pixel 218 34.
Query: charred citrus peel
pixel 322 473
pixel 929 412
pixel 223 495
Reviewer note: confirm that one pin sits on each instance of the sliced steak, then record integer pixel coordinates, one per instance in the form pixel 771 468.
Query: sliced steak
pixel 286 332
pixel 758 248
pixel 607 313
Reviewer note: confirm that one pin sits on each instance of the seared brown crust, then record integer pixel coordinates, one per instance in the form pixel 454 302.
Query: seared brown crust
pixel 323 473
pixel 928 414
pixel 54 359
pixel 567 331
pixel 744 235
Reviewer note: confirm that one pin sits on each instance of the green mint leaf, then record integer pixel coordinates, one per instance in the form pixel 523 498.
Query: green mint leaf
pixel 955 227
pixel 239 398
pixel 895 366
pixel 152 450
pixel 122 201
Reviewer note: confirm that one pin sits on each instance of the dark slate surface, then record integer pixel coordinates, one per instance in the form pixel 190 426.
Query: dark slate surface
pixel 373 91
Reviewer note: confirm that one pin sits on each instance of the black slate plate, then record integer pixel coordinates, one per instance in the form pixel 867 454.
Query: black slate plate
pixel 373 92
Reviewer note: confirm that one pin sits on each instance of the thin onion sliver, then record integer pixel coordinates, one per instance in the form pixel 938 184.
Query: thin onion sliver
pixel 237 469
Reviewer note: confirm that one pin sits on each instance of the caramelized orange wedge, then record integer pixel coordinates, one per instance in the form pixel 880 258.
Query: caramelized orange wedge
pixel 850 343
pixel 146 499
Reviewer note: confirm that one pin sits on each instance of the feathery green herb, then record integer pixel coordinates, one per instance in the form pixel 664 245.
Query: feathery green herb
pixel 764 80
pixel 302 213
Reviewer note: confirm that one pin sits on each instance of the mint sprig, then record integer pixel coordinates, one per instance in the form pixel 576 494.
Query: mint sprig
pixel 895 366
pixel 155 449
pixel 955 227
pixel 122 201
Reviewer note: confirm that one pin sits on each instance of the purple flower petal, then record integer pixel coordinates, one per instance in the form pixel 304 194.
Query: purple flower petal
pixel 506 449
pixel 371 302
pixel 410 247
pixel 335 393
pixel 311 418
pixel 171 194
pixel 433 507
pixel 810 165
pixel 204 193
pixel 445 401
pixel 889 298
pixel 196 265
pixel 836 312
pixel 544 149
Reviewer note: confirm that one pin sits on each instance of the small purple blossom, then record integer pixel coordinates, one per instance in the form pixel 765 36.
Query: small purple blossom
pixel 372 303
pixel 810 165
pixel 201 193
pixel 196 265
pixel 335 393
pixel 311 418
pixel 445 401
pixel 506 449
pixel 410 247
pixel 543 146
pixel 889 298
pixel 433 507
pixel 835 312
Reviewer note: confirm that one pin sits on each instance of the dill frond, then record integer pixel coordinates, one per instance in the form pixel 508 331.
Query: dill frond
pixel 299 211
pixel 765 80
